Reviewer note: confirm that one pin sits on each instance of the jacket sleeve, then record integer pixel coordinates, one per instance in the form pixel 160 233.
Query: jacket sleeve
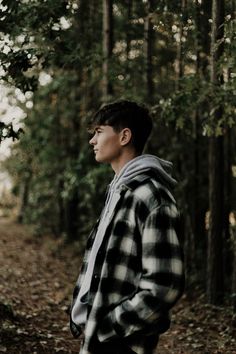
pixel 161 283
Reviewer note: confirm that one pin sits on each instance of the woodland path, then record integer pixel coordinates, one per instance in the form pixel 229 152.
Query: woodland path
pixel 37 275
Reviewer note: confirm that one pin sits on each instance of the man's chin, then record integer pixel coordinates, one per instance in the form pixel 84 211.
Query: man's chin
pixel 98 159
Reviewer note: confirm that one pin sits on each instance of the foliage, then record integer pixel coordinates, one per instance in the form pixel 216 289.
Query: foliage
pixel 7 131
pixel 54 50
pixel 180 107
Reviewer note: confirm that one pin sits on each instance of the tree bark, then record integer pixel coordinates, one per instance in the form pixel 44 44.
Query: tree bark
pixel 179 59
pixel 233 280
pixel 148 50
pixel 202 52
pixel 204 34
pixel 24 196
pixel 215 283
pixel 107 48
pixel 128 35
pixel 215 279
pixel 230 253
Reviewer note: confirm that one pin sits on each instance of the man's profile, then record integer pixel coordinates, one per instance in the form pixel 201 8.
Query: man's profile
pixel 132 273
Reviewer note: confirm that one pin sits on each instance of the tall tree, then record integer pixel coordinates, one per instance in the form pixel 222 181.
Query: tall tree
pixel 148 49
pixel 129 4
pixel 230 249
pixel 215 283
pixel 107 47
pixel 202 45
pixel 179 59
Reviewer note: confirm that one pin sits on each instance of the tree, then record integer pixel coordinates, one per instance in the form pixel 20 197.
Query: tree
pixel 148 50
pixel 215 283
pixel 107 47
pixel 7 131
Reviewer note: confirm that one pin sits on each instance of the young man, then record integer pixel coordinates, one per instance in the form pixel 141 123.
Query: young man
pixel 132 272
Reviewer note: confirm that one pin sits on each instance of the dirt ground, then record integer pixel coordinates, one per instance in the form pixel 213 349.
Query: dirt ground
pixel 37 275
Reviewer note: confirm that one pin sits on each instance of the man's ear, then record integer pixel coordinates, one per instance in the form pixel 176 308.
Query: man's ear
pixel 125 136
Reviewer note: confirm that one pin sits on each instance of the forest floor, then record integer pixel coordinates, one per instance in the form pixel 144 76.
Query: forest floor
pixel 37 275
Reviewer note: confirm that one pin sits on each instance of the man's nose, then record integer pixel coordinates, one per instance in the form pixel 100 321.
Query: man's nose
pixel 92 141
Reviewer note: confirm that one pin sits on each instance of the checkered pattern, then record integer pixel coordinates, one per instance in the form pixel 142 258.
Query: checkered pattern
pixel 138 274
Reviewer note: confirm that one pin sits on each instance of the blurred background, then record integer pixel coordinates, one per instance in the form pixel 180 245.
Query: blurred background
pixel 61 60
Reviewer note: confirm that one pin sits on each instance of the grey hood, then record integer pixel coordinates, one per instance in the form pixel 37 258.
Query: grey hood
pixel 139 165
pixel 142 164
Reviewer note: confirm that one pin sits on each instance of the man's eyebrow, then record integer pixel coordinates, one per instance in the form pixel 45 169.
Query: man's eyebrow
pixel 98 127
pixel 93 130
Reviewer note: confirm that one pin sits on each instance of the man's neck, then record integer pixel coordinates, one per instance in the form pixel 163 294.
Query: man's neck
pixel 122 161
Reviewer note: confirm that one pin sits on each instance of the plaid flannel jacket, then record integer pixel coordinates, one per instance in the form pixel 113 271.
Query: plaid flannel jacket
pixel 138 274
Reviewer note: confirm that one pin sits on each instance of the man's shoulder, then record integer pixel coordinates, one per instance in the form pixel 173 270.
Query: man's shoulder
pixel 148 189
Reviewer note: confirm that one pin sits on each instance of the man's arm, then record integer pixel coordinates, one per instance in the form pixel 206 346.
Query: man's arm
pixel 161 284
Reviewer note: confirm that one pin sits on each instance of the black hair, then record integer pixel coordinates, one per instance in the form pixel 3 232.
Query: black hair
pixel 126 114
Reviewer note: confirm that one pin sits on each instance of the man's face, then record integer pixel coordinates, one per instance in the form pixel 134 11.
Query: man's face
pixel 106 144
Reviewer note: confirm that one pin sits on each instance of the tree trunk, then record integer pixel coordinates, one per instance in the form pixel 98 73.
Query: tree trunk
pixel 230 253
pixel 233 242
pixel 24 197
pixel 204 34
pixel 128 35
pixel 107 48
pixel 179 59
pixel 199 209
pixel 148 50
pixel 228 259
pixel 215 287
pixel 215 284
